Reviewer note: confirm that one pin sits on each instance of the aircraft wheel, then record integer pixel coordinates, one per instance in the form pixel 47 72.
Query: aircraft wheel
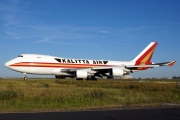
pixel 93 78
pixel 25 78
pixel 109 77
pixel 88 78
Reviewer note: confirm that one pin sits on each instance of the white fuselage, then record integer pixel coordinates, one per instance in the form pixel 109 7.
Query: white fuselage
pixel 51 65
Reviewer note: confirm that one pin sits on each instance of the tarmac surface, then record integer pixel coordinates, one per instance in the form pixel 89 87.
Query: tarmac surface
pixel 135 114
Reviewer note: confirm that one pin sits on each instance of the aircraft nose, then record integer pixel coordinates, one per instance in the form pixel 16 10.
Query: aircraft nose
pixel 7 64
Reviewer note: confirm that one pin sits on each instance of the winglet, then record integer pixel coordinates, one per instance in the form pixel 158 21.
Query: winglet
pixel 171 63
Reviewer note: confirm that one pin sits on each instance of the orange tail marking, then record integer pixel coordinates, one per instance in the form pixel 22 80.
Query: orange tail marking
pixel 145 56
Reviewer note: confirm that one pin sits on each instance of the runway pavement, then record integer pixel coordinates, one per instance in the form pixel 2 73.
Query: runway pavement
pixel 135 114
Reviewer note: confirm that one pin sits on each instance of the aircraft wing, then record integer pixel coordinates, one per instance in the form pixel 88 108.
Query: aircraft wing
pixel 165 63
pixel 140 66
pixel 68 70
pixel 132 67
pixel 103 71
pixel 127 66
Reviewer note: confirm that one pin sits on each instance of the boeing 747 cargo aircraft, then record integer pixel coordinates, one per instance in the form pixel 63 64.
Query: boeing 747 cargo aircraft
pixel 83 68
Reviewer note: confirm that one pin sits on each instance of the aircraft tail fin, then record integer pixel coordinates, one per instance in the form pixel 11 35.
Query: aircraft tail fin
pixel 145 56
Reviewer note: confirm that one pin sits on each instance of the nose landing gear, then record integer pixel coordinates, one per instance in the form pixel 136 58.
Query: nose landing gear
pixel 25 77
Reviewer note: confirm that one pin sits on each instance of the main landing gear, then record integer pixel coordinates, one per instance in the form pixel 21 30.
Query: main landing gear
pixel 91 78
pixel 25 77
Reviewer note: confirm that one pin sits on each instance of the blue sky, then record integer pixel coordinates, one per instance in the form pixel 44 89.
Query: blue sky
pixel 91 29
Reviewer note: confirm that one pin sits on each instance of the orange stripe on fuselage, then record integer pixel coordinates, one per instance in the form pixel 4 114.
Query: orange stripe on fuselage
pixel 56 65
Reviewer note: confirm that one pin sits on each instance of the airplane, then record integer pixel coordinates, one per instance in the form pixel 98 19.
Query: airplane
pixel 83 68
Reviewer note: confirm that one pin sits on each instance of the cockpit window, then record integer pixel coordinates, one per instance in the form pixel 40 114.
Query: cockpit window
pixel 20 56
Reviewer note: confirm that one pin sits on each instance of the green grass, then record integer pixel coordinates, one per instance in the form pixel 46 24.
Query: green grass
pixel 63 95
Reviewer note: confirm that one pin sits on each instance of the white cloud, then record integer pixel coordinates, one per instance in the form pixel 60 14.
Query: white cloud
pixel 15 28
pixel 13 35
pixel 104 31
pixel 133 29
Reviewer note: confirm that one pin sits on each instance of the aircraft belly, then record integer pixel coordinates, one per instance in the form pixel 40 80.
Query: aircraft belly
pixel 39 70
pixel 20 69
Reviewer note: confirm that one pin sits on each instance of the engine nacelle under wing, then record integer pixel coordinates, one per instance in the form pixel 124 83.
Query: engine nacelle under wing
pixel 81 74
pixel 118 72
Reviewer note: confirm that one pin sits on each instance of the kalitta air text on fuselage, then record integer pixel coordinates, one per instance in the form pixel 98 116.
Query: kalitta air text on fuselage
pixel 78 61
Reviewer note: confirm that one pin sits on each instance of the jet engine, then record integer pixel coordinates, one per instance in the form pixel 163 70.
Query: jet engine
pixel 118 72
pixel 81 74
